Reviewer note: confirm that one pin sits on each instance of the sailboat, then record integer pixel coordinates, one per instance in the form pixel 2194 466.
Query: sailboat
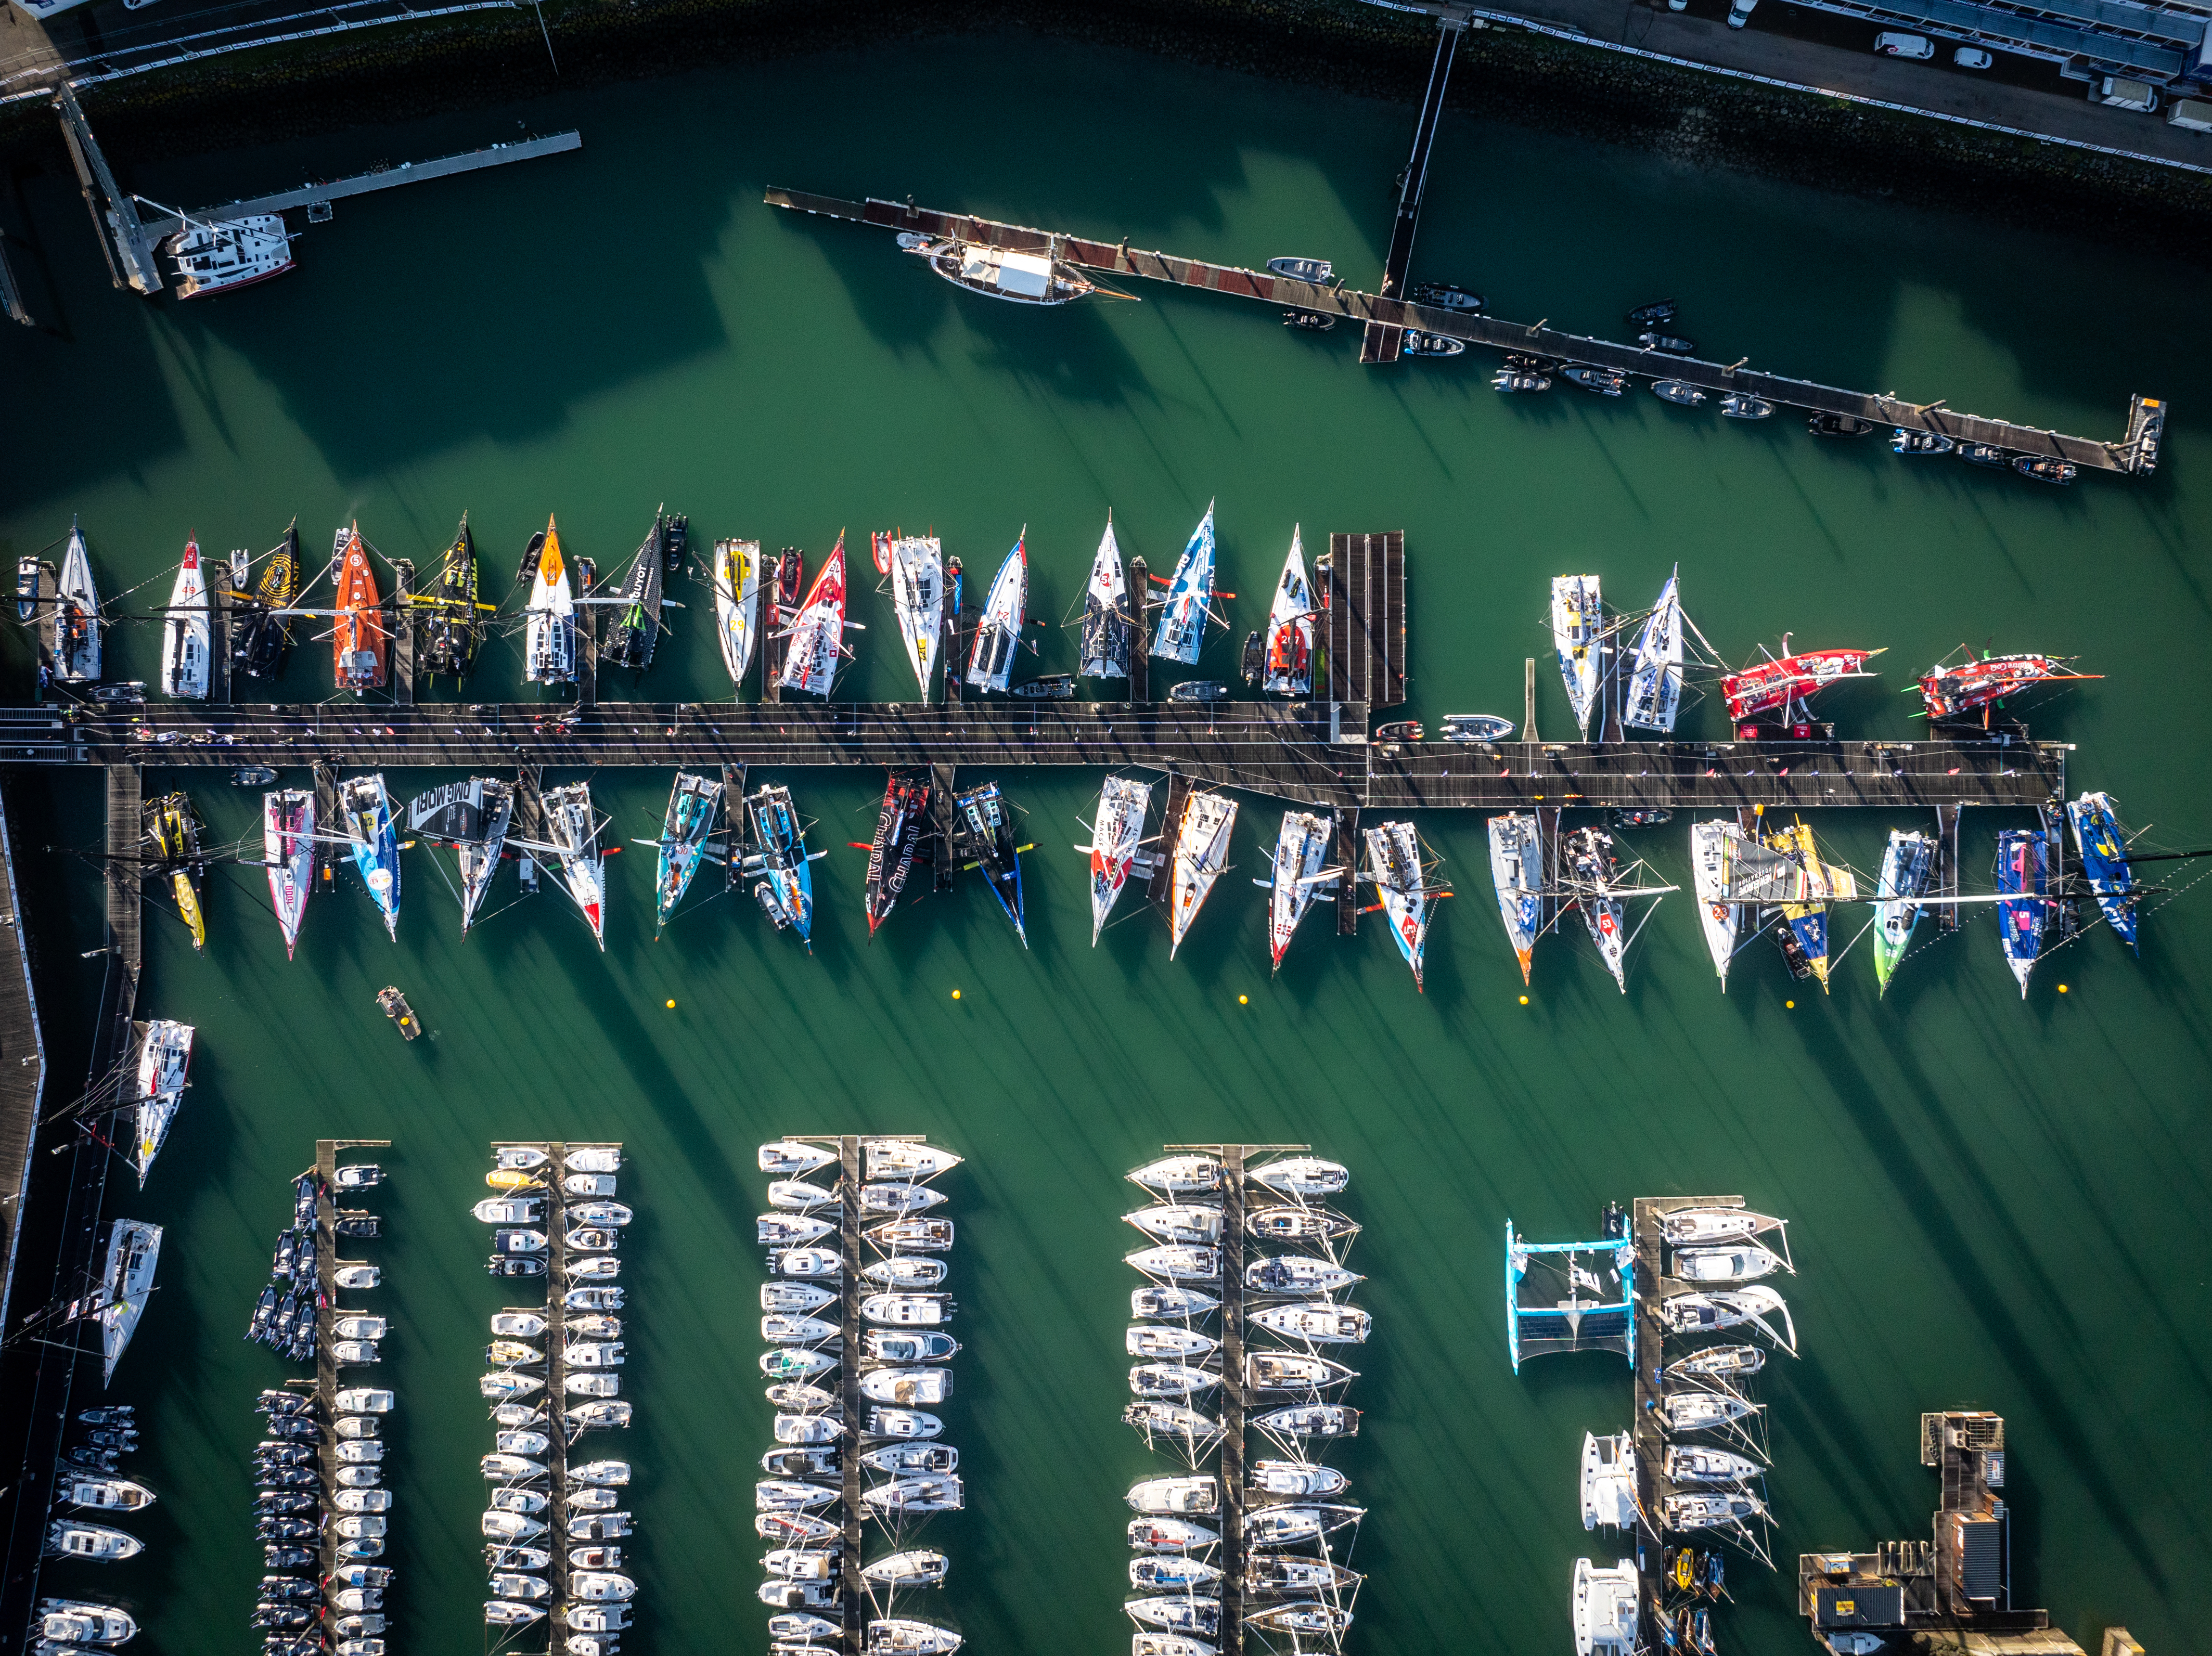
pixel 260 639
pixel 2104 853
pixel 360 645
pixel 695 806
pixel 1517 869
pixel 1591 877
pixel 1712 844
pixel 1190 603
pixel 1114 838
pixel 134 1248
pixel 2023 878
pixel 1654 681
pixel 172 830
pixel 1908 865
pixel 1284 666
pixel 1783 682
pixel 1393 864
pixel 184 634
pixel 784 890
pixel 636 631
pixel 1301 850
pixel 917 573
pixel 572 826
pixel 737 603
pixel 76 615
pixel 164 1056
pixel 549 647
pixel 1578 627
pixel 473 818
pixel 365 810
pixel 983 833
pixel 288 847
pixel 817 632
pixel 1823 883
pixel 999 634
pixel 899 832
pixel 1953 691
pixel 1108 623
pixel 1201 852
pixel 449 642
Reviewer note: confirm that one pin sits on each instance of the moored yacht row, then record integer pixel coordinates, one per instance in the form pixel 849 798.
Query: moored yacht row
pixel 553 1521
pixel 88 1488
pixel 854 1314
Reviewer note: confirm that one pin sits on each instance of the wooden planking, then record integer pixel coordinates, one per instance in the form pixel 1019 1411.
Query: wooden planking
pixel 1363 590
pixel 22 1067
pixel 403 631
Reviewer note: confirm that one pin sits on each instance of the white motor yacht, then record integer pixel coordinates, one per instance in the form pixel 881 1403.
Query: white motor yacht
pixel 1171 1497
pixel 1606 1603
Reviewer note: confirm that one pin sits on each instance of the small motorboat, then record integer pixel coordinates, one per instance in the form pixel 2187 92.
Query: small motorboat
pixel 1905 442
pixel 1839 425
pixel 1415 343
pixel 1400 730
pixel 907 1310
pixel 1297 1478
pixel 1670 344
pixel 1317 271
pixel 1659 313
pixel 1742 405
pixel 2045 469
pixel 1511 380
pixel 1309 321
pixel 1678 392
pixel 1200 689
pixel 1446 296
pixel 1051 687
pixel 1606 382
pixel 1982 454
pixel 1169 1496
pixel 1477 727
pixel 912 1424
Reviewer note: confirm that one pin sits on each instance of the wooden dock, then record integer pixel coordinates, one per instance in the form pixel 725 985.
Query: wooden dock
pixel 2135 453
pixel 22 1067
pixel 1380 341
pixel 1363 586
pixel 327 1311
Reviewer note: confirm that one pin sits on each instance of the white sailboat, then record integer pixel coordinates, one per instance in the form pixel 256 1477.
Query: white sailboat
pixel 918 598
pixel 1591 874
pixel 817 633
pixel 163 1058
pixel 1393 864
pixel 1114 838
pixel 473 817
pixel 1577 621
pixel 185 659
pixel 134 1247
pixel 737 603
pixel 1190 603
pixel 288 846
pixel 999 634
pixel 550 618
pixel 573 827
pixel 1287 666
pixel 1654 681
pixel 1301 851
pixel 1106 612
pixel 1712 845
pixel 1201 853
pixel 77 621
pixel 1517 869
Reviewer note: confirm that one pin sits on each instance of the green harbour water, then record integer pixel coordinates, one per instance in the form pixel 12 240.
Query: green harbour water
pixel 1994 1203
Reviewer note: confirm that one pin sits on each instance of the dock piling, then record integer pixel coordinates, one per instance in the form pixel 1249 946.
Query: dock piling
pixel 1140 637
pixel 403 631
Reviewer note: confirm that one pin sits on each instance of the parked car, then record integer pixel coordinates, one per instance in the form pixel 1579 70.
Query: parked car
pixel 1971 57
pixel 1892 44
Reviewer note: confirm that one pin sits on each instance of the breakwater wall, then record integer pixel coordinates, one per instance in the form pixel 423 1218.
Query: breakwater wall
pixel 410 70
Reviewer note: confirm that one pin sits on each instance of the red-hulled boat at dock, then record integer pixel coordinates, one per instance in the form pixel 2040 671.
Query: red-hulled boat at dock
pixel 1953 692
pixel 1771 684
pixel 899 831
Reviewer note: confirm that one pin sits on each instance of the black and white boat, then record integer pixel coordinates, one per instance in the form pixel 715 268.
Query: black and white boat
pixel 1742 405
pixel 1677 391
pixel 1606 382
pixel 1418 343
pixel 1446 296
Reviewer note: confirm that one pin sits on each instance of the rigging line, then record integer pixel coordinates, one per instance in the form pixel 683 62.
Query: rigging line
pixel 1836 961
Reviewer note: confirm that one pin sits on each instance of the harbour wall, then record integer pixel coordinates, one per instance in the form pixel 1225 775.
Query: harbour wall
pixel 1700 117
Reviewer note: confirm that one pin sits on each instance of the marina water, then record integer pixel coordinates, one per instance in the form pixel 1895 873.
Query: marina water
pixel 1996 1204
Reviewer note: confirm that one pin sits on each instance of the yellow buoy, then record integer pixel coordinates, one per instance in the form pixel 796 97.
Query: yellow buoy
pixel 2062 988
pixel 1243 1000
pixel 672 1005
pixel 1791 1004
pixel 956 994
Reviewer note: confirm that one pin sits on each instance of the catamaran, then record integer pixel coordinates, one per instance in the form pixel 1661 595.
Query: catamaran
pixel 1284 666
pixel 365 810
pixel 2023 878
pixel 983 835
pixel 76 614
pixel 695 808
pixel 1301 851
pixel 172 830
pixel 1654 682
pixel 817 632
pixel 549 650
pixel 999 634
pixel 2104 853
pixel 1823 883
pixel 916 564
pixel 784 890
pixel 1577 631
pixel 1393 864
pixel 472 818
pixel 737 603
pixel 288 848
pixel 1114 838
pixel 185 633
pixel 1201 852
pixel 636 631
pixel 1517 869
pixel 164 1055
pixel 1785 681
pixel 1108 627
pixel 1190 603
pixel 360 644
pixel 1713 845
pixel 900 829
pixel 1963 687
pixel 1908 866
pixel 449 642
pixel 134 1248
pixel 573 827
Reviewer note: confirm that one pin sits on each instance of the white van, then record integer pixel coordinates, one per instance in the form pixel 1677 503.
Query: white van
pixel 1892 44
pixel 2192 112
pixel 2116 94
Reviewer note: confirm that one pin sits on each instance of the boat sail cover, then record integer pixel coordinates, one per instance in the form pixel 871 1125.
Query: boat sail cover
pixel 1753 873
pixel 1569 1296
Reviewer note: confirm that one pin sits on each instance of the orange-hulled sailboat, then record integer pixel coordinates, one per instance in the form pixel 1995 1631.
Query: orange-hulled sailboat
pixel 360 645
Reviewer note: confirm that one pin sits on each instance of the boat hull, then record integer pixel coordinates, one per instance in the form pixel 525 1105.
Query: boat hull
pixel 2103 849
pixel 1113 841
pixel 999 634
pixel 917 573
pixel 737 603
pixel 288 846
pixel 1201 852
pixel 1516 870
pixel 817 635
pixel 1107 628
pixel 1577 621
pixel 186 662
pixel 1190 602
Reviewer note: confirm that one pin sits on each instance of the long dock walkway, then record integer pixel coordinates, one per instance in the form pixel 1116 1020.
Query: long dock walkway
pixel 328 1379
pixel 22 1067
pixel 2135 453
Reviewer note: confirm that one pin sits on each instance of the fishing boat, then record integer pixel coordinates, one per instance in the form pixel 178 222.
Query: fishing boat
pixel 1393 865
pixel 77 622
pixel 2023 878
pixel 636 630
pixel 1190 602
pixel 817 632
pixel 573 827
pixel 549 647
pixel 1586 855
pixel 1280 660
pixel 900 827
pixel 288 848
pixel 1108 622
pixel 1823 883
pixel 134 1247
pixel 1577 626
pixel 784 890
pixel 1201 852
pixel 365 810
pixel 1955 690
pixel 1713 845
pixel 472 818
pixel 1654 681
pixel 983 837
pixel 1908 867
pixel 165 1053
pixel 172 834
pixel 1309 321
pixel 186 662
pixel 1298 874
pixel 1114 838
pixel 999 272
pixel 916 564
pixel 999 634
pixel 1787 680
pixel 737 603
pixel 695 807
pixel 1516 870
pixel 2103 849
pixel 361 645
